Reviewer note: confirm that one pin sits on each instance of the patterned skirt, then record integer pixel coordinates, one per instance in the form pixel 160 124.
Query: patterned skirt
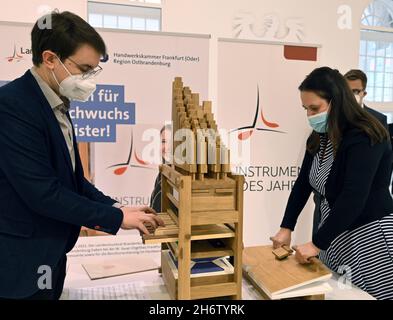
pixel 365 257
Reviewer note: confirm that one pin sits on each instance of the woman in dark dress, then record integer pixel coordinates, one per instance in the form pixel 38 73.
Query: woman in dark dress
pixel 348 163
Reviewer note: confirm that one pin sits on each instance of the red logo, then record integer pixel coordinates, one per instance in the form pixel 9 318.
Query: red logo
pixel 15 57
pixel 133 161
pixel 247 131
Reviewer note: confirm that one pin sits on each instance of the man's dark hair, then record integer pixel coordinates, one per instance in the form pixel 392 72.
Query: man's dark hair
pixel 356 74
pixel 63 33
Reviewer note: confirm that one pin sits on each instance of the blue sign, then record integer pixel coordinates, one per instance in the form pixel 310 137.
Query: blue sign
pixel 96 119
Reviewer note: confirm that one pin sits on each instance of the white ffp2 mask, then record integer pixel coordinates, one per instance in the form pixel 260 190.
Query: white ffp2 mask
pixel 75 87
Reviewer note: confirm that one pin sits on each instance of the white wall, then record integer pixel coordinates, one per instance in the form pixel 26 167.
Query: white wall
pixel 30 10
pixel 340 48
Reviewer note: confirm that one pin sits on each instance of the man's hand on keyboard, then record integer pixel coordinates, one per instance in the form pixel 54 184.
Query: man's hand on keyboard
pixel 139 219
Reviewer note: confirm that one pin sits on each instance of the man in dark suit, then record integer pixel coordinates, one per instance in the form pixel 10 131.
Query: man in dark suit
pixel 357 81
pixel 391 140
pixel 44 197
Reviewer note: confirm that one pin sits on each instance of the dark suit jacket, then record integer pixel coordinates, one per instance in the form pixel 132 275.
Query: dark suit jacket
pixel 391 132
pixel 357 188
pixel 43 203
pixel 391 140
pixel 380 116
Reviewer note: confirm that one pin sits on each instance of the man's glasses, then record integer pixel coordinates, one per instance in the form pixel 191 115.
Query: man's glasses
pixel 87 74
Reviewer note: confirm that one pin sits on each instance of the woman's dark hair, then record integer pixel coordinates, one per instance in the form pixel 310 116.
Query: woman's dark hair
pixel 63 33
pixel 345 113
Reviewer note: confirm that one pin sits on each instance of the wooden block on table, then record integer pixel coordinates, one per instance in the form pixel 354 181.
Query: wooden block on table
pixel 286 278
pixel 281 253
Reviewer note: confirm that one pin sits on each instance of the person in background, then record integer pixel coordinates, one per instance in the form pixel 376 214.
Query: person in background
pixel 391 140
pixel 357 81
pixel 44 197
pixel 348 162
pixel 165 135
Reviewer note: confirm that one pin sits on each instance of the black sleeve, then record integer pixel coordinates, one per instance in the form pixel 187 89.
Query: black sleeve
pixel 362 162
pixel 91 192
pixel 26 164
pixel 299 195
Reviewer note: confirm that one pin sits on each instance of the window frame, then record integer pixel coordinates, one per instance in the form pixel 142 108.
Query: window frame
pixel 129 4
pixel 377 33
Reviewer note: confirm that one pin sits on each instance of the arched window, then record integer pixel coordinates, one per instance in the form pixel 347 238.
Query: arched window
pixel 376 50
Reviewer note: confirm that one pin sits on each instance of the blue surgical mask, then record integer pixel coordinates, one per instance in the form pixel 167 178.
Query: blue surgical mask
pixel 319 122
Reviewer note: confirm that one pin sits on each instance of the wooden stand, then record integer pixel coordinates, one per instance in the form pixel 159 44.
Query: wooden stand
pixel 201 202
pixel 208 209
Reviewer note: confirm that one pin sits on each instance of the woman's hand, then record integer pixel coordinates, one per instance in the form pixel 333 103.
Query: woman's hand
pixel 306 251
pixel 283 237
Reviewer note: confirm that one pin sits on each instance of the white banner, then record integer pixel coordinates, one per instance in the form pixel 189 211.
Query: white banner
pixel 146 65
pixel 15 51
pixel 259 101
